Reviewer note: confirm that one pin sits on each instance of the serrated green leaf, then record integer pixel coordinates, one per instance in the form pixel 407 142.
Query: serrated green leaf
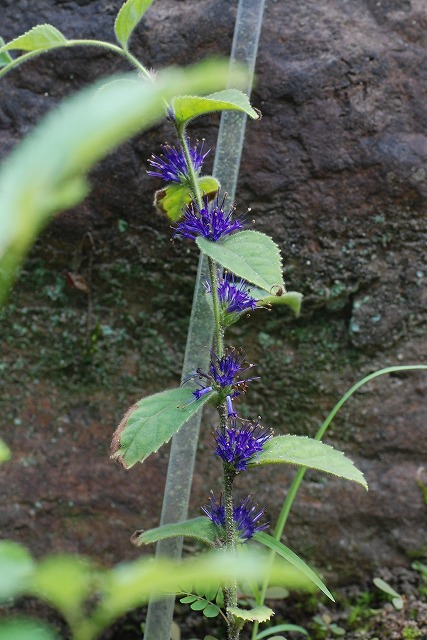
pixel 293 559
pixel 16 569
pixel 71 140
pixel 172 199
pixel 152 422
pixel 4 452
pixel 260 614
pixel 251 255
pixel 20 629
pixel 188 107
pixel 292 299
pixel 281 627
pixel 40 37
pixel 311 453
pixel 200 528
pixel 211 611
pixel 5 58
pixel 65 581
pixel 128 17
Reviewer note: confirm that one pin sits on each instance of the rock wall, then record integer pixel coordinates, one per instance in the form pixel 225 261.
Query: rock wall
pixel 336 173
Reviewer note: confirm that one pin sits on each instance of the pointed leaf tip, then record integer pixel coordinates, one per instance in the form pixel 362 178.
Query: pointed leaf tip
pixel 186 108
pixel 127 19
pixel 311 453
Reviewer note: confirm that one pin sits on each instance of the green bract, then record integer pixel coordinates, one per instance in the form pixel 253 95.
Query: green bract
pixel 172 199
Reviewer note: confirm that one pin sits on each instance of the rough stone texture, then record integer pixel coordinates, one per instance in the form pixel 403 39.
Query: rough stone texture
pixel 336 172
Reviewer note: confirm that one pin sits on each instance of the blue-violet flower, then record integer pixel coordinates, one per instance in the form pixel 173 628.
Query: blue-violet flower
pixel 238 446
pixel 210 221
pixel 172 165
pixel 234 295
pixel 246 516
pixel 223 377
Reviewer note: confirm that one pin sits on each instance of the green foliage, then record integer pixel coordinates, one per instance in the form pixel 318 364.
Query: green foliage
pixel 71 140
pixel 251 255
pixel 293 559
pixel 396 598
pixel 172 199
pixel 197 603
pixel 39 38
pixel 16 569
pixel 409 633
pixel 311 453
pixel 201 529
pixel 22 629
pixel 261 614
pixel 127 19
pixel 281 627
pixel 4 452
pixel 70 582
pixel 5 57
pixel 151 422
pixel 292 299
pixel 326 627
pixel 188 107
pixel 66 582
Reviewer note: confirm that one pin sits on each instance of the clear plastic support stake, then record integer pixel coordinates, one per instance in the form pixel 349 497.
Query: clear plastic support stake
pixel 184 443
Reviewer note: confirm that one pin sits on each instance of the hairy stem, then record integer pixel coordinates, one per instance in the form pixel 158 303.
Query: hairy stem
pixel 230 588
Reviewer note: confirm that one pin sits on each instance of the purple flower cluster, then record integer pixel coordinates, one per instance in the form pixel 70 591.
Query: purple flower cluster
pixel 245 515
pixel 223 377
pixel 234 297
pixel 211 221
pixel 238 446
pixel 172 165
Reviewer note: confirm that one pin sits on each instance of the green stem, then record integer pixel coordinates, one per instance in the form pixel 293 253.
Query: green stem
pixel 219 330
pixel 230 589
pixel 116 49
pixel 299 476
pixel 191 172
pixel 71 43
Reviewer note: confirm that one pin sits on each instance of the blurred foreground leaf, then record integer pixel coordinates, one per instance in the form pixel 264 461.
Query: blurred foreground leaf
pixel 47 172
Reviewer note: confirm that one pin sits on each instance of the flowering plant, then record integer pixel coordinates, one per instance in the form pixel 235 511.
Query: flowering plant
pixel 244 275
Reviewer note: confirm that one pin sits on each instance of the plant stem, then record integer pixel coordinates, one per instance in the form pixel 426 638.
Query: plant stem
pixel 230 589
pixel 71 43
pixel 116 49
